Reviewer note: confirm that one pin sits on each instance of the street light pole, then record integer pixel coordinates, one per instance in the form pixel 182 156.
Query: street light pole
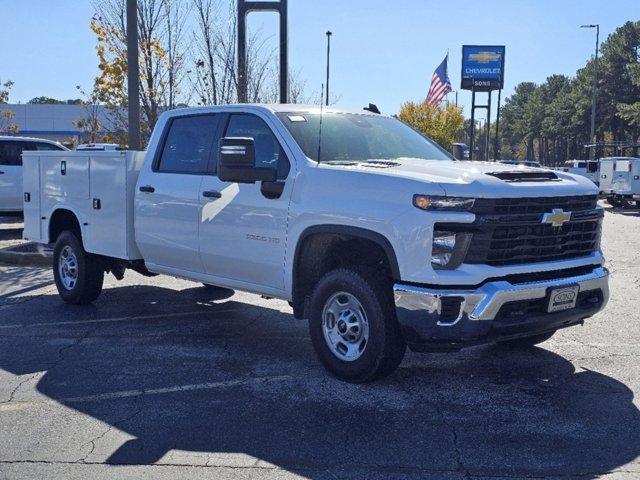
pixel 133 92
pixel 328 52
pixel 593 90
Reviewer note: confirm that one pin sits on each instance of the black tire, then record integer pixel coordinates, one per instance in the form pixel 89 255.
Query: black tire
pixel 527 342
pixel 90 271
pixel 614 202
pixel 385 347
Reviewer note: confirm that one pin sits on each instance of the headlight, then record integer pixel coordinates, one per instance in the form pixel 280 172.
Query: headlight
pixel 432 202
pixel 449 249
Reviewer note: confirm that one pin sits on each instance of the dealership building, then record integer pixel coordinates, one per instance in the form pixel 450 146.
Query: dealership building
pixel 54 122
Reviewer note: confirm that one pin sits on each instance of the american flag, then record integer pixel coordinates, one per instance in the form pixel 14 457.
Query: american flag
pixel 440 84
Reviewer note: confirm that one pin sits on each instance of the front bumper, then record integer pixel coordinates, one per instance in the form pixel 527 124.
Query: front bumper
pixel 451 318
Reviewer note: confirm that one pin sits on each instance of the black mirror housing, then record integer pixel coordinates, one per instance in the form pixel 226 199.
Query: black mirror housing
pixel 237 162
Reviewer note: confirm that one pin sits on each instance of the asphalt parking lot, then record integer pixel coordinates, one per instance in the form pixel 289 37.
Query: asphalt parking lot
pixel 162 378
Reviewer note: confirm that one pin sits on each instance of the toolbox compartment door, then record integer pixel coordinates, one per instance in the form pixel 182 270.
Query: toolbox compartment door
pixel 31 197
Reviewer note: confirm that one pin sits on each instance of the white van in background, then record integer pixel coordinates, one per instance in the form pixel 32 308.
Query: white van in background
pixel 11 149
pixel 620 180
pixel 586 168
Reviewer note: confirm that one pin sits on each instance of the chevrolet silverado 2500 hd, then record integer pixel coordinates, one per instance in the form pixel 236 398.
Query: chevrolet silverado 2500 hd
pixel 371 231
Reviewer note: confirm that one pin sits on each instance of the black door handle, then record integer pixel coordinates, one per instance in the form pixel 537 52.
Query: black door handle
pixel 1 173
pixel 211 194
pixel 147 189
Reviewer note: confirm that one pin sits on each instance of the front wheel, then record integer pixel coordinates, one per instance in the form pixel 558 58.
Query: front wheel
pixel 78 274
pixel 353 326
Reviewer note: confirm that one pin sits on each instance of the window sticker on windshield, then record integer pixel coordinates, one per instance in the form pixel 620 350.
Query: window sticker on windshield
pixel 296 118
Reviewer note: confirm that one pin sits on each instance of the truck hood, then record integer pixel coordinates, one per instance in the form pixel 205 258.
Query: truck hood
pixel 473 178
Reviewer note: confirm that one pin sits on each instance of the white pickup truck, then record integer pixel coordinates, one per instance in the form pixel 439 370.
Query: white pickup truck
pixel 371 231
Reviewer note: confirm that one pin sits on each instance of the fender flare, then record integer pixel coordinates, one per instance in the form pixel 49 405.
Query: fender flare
pixel 350 230
pixel 68 208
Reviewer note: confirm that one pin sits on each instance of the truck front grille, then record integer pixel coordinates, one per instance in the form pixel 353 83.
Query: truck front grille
pixel 510 231
pixel 512 206
pixel 513 244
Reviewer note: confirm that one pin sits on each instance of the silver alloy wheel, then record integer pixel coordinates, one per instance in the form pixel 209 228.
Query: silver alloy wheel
pixel 345 326
pixel 68 267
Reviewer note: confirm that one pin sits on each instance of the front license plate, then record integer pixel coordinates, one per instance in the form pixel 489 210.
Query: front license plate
pixel 563 298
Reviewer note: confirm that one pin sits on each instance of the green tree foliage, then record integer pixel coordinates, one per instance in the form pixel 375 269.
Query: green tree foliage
pixel 551 122
pixel 43 100
pixel 440 124
pixel 6 115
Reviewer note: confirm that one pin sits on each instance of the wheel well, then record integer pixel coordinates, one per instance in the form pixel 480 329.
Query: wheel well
pixel 62 220
pixel 321 252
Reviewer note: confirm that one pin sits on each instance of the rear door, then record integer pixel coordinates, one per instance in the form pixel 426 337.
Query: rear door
pixel 622 173
pixel 11 174
pixel 606 175
pixel 635 177
pixel 168 197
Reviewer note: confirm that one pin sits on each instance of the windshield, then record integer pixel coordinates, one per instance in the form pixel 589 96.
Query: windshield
pixel 353 137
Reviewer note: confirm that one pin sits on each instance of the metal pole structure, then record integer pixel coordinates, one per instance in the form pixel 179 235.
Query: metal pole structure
pixel 328 52
pixel 496 141
pixel 488 132
pixel 473 121
pixel 592 132
pixel 242 52
pixel 284 52
pixel 133 92
pixel 244 7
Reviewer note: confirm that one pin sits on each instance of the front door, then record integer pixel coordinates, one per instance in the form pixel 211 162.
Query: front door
pixel 243 226
pixel 168 196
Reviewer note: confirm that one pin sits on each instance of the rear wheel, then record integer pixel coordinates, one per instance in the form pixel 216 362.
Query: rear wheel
pixel 78 274
pixel 353 327
pixel 527 342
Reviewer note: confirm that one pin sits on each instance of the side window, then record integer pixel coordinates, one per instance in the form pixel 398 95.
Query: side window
pixel 269 153
pixel 10 153
pixel 188 144
pixel 47 147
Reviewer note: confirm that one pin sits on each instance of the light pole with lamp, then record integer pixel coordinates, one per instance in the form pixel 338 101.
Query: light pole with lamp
pixel 593 92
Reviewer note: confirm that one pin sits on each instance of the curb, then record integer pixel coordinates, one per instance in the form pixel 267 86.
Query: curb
pixel 11 257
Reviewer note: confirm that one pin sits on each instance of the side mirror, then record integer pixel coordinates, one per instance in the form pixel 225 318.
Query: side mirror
pixel 237 162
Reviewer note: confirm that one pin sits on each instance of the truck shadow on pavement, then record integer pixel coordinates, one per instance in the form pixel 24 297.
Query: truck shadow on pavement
pixel 200 371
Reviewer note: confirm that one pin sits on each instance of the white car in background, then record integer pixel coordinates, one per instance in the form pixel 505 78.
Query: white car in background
pixel 586 168
pixel 99 147
pixel 11 149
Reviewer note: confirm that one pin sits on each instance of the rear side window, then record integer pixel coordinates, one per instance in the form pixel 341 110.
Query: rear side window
pixel 582 164
pixel 269 153
pixel 623 166
pixel 11 151
pixel 47 147
pixel 188 144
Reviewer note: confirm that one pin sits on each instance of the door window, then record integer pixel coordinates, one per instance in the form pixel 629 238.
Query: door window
pixel 11 152
pixel 188 144
pixel 269 153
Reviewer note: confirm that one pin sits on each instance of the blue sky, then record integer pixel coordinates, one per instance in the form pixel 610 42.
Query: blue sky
pixel 383 51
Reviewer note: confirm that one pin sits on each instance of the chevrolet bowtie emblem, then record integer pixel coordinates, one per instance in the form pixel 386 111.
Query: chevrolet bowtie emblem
pixel 557 217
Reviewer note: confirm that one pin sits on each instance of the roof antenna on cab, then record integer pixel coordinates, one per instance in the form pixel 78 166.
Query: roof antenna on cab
pixel 320 127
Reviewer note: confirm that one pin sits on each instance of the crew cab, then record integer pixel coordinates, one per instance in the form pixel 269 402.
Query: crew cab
pixel 372 232
pixel 11 149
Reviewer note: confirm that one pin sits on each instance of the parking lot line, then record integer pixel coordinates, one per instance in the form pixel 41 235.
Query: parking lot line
pixel 114 319
pixel 18 405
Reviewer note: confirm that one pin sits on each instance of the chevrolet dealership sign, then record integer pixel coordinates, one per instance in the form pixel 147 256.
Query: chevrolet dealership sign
pixel 482 67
